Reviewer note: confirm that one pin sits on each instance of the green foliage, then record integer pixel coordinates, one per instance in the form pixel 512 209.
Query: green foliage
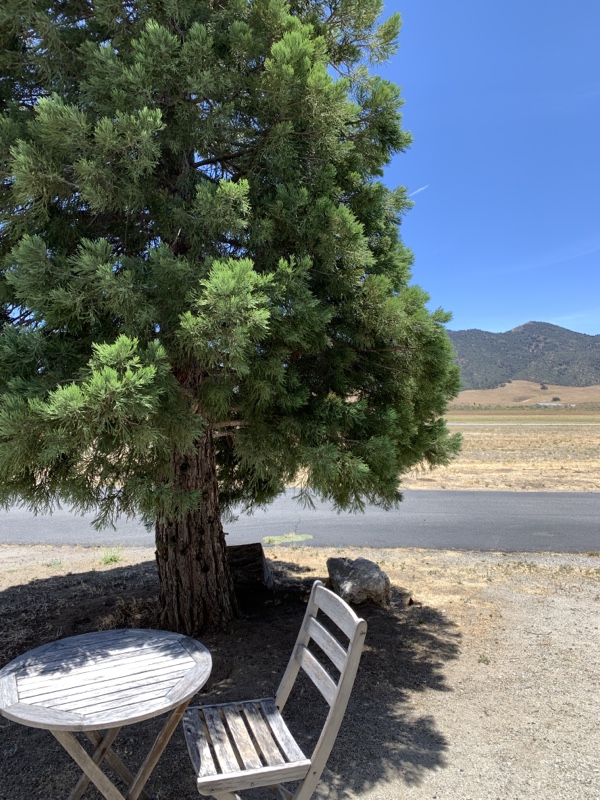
pixel 195 235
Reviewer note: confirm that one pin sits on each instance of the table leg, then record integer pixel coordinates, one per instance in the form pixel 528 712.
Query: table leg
pixel 155 753
pixel 102 744
pixel 113 760
pixel 90 764
pixel 90 768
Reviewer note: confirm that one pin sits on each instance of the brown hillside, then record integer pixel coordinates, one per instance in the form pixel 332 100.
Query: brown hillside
pixel 526 393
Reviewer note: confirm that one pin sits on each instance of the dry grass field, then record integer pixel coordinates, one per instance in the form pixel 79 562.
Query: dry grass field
pixel 525 394
pixel 510 444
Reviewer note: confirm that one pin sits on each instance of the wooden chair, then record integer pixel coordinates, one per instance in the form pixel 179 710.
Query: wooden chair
pixel 237 746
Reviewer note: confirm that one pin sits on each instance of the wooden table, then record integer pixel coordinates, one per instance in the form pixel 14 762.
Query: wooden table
pixel 101 682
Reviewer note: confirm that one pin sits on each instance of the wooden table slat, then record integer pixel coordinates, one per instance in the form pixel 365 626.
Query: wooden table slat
pixel 113 672
pixel 117 641
pixel 67 703
pixel 133 712
pixel 185 684
pixel 191 647
pixel 55 697
pixel 91 659
pixel 117 637
pixel 142 696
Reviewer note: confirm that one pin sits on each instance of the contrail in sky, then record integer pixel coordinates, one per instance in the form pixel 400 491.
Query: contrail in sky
pixel 416 191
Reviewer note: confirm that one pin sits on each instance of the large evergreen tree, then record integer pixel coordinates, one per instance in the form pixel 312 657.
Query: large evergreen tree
pixel 203 289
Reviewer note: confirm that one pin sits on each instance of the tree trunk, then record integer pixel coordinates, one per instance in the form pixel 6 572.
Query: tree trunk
pixel 196 590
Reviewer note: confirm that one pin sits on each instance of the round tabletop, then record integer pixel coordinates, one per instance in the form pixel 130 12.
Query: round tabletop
pixel 103 680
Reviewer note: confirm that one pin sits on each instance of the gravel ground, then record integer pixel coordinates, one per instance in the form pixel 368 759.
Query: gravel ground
pixel 479 682
pixel 521 717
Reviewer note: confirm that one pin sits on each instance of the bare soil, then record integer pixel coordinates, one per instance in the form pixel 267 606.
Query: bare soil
pixel 479 681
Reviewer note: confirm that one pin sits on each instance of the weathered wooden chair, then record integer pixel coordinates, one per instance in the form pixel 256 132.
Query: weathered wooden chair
pixel 237 746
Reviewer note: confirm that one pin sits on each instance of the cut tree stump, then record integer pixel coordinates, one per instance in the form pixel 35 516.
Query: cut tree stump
pixel 250 571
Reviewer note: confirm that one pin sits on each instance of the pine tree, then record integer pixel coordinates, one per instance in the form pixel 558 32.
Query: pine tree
pixel 204 293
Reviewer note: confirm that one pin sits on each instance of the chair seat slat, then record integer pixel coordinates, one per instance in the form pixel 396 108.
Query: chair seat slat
pixel 241 737
pixel 263 735
pixel 220 741
pixel 197 744
pixel 281 732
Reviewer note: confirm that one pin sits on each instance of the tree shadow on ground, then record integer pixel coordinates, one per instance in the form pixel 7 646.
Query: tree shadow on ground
pixel 383 739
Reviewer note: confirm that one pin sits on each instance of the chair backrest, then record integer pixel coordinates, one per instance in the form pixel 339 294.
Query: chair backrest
pixel 344 658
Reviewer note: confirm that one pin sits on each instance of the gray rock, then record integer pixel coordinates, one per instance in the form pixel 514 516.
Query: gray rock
pixel 359 580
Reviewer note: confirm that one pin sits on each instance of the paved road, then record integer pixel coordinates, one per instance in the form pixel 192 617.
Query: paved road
pixel 505 521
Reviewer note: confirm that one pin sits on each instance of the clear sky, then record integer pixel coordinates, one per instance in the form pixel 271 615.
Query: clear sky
pixel 503 101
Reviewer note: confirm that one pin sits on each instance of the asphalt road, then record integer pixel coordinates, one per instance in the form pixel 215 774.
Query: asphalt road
pixel 497 521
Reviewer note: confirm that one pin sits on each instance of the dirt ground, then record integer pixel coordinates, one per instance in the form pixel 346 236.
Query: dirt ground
pixel 480 681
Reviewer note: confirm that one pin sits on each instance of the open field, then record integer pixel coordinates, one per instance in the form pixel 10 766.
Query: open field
pixel 526 394
pixel 521 447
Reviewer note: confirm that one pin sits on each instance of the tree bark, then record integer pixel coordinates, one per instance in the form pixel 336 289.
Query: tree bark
pixel 196 589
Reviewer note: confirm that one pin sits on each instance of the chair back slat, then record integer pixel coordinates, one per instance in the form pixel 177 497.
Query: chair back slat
pixel 327 642
pixel 336 609
pixel 333 607
pixel 317 673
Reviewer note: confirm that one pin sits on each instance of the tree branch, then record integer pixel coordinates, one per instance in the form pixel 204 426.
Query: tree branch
pixel 218 159
pixel 234 423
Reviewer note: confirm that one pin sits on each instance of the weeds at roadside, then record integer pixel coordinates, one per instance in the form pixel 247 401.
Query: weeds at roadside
pixel 111 557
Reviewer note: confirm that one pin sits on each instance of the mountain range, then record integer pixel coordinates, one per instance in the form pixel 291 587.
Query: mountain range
pixel 536 351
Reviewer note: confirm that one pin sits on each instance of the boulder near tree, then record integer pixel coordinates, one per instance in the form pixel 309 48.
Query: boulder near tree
pixel 204 292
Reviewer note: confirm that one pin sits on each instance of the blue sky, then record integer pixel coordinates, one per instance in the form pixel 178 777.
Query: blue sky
pixel 503 101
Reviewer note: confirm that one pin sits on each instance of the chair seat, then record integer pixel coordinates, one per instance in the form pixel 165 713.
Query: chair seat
pixel 241 745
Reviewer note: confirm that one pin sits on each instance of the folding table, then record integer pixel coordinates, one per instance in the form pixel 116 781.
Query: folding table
pixel 101 682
